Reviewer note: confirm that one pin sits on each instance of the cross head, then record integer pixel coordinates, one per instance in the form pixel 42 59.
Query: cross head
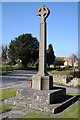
pixel 43 13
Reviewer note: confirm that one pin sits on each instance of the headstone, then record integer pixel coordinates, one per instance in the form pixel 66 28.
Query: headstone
pixel 42 81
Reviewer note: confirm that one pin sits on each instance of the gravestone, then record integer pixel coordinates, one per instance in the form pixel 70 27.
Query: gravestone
pixel 42 80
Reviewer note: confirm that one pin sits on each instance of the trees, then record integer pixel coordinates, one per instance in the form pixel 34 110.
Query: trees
pixel 50 55
pixel 4 53
pixel 25 47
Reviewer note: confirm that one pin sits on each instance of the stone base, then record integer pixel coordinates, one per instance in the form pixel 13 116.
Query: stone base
pixel 43 96
pixel 51 101
pixel 42 82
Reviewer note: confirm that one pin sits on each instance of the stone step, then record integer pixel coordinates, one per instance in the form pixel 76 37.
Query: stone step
pixel 51 101
pixel 64 105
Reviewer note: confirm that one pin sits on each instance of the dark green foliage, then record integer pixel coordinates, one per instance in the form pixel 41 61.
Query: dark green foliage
pixel 24 47
pixel 4 53
pixel 50 55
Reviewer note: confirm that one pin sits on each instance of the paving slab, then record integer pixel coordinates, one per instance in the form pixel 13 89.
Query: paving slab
pixel 14 114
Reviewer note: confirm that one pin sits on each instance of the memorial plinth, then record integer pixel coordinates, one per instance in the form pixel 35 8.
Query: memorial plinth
pixel 42 81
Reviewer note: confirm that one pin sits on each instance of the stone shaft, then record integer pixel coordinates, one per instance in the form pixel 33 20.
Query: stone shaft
pixel 42 49
pixel 42 81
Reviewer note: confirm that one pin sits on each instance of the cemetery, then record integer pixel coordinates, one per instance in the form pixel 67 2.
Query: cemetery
pixel 43 95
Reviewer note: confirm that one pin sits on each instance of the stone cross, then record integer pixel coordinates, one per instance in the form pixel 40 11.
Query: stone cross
pixel 42 80
pixel 43 13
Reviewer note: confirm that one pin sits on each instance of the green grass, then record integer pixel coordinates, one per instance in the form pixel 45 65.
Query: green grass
pixel 73 112
pixel 78 86
pixel 5 69
pixel 7 93
pixel 5 72
pixel 74 94
pixel 34 115
pixel 4 109
pixel 0 65
pixel 67 72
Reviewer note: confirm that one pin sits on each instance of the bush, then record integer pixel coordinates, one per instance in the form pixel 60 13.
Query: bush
pixel 77 74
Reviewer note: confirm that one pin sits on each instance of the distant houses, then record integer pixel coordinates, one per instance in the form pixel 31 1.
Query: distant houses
pixel 59 61
pixel 67 61
pixel 71 61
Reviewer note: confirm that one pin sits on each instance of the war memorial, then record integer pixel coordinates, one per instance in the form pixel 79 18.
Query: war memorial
pixel 43 95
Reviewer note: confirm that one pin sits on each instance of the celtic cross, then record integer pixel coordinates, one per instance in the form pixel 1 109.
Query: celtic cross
pixel 42 80
pixel 43 13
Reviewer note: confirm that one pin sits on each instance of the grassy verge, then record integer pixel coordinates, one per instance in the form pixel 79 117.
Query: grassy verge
pixel 34 115
pixel 4 109
pixel 67 72
pixel 74 94
pixel 78 86
pixel 7 93
pixel 73 112
pixel 5 72
pixel 5 69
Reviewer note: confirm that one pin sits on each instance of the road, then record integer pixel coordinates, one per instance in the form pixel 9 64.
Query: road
pixel 18 77
pixel 21 79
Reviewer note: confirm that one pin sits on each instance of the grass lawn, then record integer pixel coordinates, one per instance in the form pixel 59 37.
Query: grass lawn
pixel 67 72
pixel 74 94
pixel 4 109
pixel 73 112
pixel 5 69
pixel 34 115
pixel 7 93
pixel 5 72
pixel 4 94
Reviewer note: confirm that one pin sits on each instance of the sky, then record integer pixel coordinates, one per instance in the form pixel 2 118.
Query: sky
pixel 62 24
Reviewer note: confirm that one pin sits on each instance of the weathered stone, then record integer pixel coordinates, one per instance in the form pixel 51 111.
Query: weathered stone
pixel 61 79
pixel 50 101
pixel 42 81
